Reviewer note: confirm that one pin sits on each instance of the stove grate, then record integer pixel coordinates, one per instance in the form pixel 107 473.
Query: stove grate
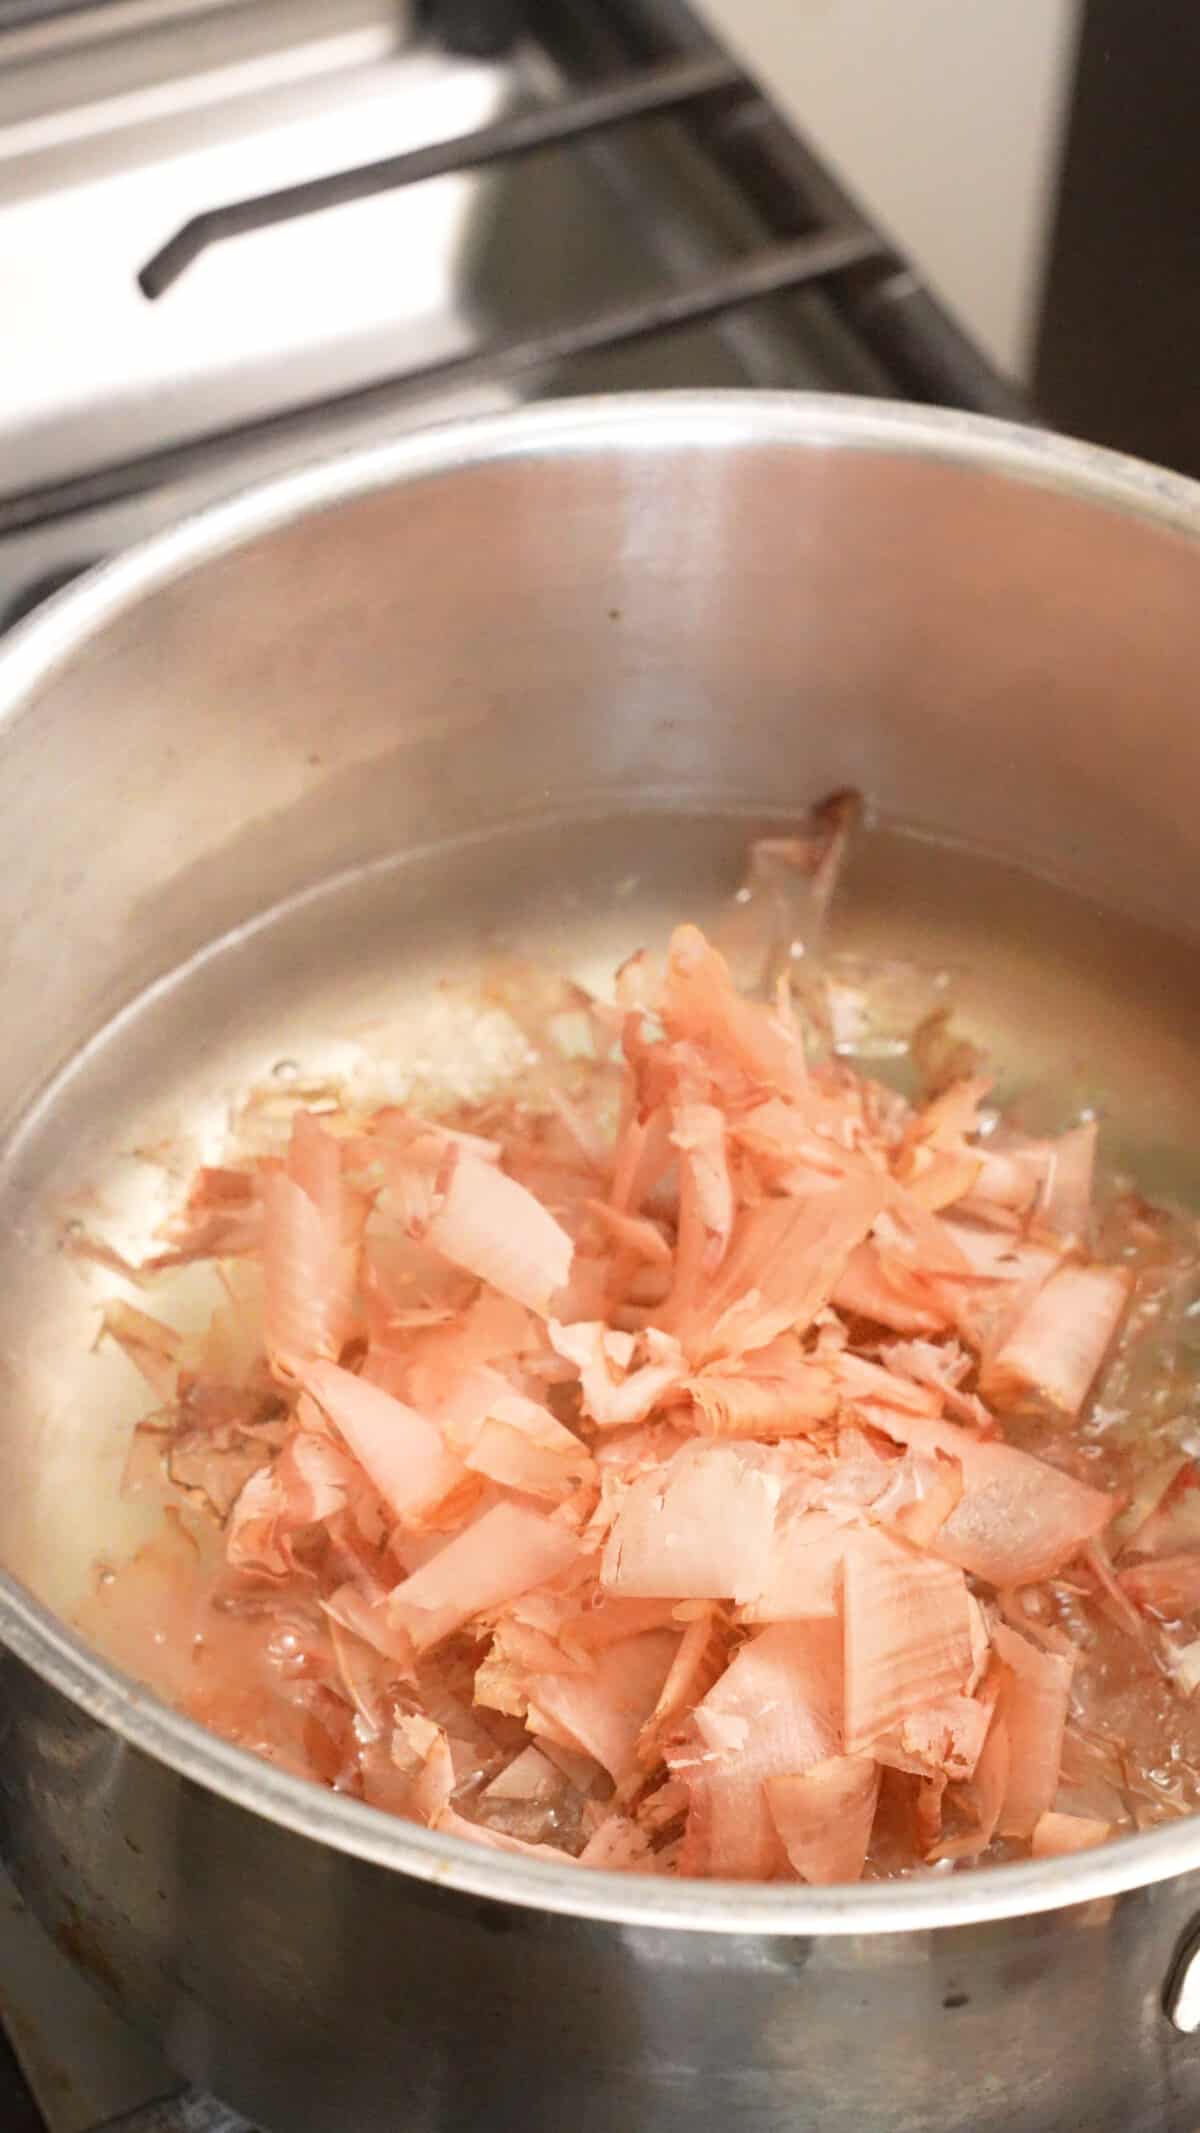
pixel 628 62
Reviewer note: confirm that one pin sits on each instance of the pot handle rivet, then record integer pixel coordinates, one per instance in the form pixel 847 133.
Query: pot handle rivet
pixel 1181 1996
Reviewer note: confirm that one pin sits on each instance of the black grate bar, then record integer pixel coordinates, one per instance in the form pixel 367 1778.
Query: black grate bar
pixel 895 321
pixel 929 353
pixel 634 96
pixel 910 333
pixel 773 271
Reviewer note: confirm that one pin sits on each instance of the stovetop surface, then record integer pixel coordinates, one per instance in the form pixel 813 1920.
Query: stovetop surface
pixel 121 122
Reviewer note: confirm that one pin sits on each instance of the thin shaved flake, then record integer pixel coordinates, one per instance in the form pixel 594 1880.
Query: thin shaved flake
pixel 907 1635
pixel 799 1574
pixel 497 1230
pixel 453 1824
pixel 1136 1524
pixel 923 1491
pixel 254 1538
pixel 311 1231
pixel 507 1551
pixel 943 1366
pixel 643 1152
pixel 1056 1347
pixel 1168 1585
pixel 862 1381
pixel 436 1360
pixel 1018 1519
pixel 943 1739
pixel 700 1659
pixel 1065 1204
pixel 404 1452
pixel 482 1394
pixel 782 1266
pixel 774 1712
pixel 789 885
pixel 928 1809
pixel 633 1233
pixel 952 1111
pixel 366 1678
pixel 298 1259
pixel 706 1198
pixel 510 1454
pixel 603 1619
pixel 1173 1526
pixel 984 1305
pixel 1012 1172
pixel 152 1347
pixel 982 1797
pixel 618 1844
pixel 623 1377
pixel 776 1391
pixel 421 1752
pixel 416 1171
pixel 1111 1596
pixel 361 1613
pixel 1034 1703
pixel 221 1218
pixel 1055 1836
pixel 823 1817
pixel 939 1177
pixel 317 1476
pixel 504 1678
pixel 1049 1182
pixel 215 1463
pixel 997 1256
pixel 310 1481
pixel 918 1240
pixel 602 1712
pixel 514 1440
pixel 698 1528
pixel 699 1003
pixel 393 1124
pixel 529 1777
pixel 864 1290
pixel 582 1136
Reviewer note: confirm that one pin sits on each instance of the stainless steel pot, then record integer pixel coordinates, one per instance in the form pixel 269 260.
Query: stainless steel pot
pixel 478 672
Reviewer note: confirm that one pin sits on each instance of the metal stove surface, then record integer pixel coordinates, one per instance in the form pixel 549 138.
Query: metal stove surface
pixel 622 244
pixel 120 122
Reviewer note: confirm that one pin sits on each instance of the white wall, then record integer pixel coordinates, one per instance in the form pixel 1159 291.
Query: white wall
pixel 944 117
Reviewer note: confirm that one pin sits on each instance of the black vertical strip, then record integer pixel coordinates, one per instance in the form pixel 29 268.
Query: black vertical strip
pixel 1118 356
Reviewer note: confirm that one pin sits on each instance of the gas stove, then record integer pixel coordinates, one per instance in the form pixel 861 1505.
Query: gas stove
pixel 238 233
pixel 235 235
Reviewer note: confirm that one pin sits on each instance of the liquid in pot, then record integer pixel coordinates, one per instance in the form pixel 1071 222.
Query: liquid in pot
pixel 1081 1016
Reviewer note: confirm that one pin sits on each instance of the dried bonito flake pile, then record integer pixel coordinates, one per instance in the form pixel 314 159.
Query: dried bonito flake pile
pixel 641 1474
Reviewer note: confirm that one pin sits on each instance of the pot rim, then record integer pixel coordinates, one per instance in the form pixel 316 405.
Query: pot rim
pixel 635 422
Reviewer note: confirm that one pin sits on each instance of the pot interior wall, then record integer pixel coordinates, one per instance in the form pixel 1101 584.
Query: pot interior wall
pixel 539 703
